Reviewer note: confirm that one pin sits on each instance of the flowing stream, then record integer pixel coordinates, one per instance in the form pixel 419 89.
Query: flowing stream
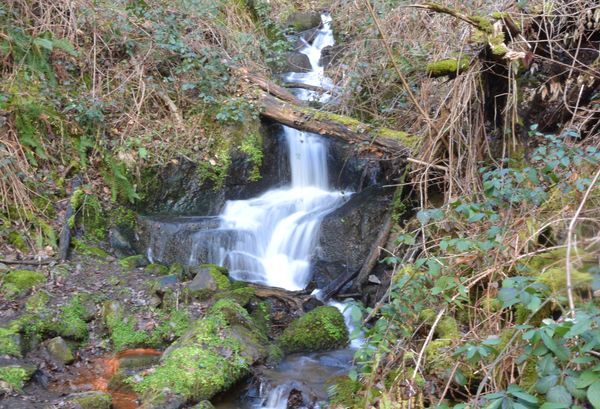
pixel 270 239
pixel 274 236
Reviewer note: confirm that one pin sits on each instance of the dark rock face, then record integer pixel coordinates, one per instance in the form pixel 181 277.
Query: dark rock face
pixel 346 234
pixel 178 190
pixel 294 62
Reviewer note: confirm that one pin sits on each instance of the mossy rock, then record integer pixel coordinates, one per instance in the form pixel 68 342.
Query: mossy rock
pixel 71 322
pixel 241 296
pixel 157 269
pixel 60 351
pixel 19 280
pixel 203 405
pixel 37 302
pixel 91 400
pixel 89 250
pixel 321 329
pixel 438 356
pixel 11 342
pixel 208 279
pixel 131 262
pixel 447 328
pixel 213 355
pixel 16 375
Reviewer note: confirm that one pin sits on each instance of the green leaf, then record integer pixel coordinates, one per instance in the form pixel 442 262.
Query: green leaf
pixel 593 394
pixel 44 43
pixel 586 379
pixel 353 375
pixel 544 384
pixel 559 394
pixel 495 404
pixel 553 405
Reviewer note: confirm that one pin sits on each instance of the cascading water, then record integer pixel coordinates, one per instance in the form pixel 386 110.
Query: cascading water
pixel 270 239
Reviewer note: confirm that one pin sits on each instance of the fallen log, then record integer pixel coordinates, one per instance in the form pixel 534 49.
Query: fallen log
pixel 349 130
pixel 293 299
pixel 279 104
pixel 306 86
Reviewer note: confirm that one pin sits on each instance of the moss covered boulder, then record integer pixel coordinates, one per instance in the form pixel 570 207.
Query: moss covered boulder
pixel 208 279
pixel 214 354
pixel 91 400
pixel 60 351
pixel 19 280
pixel 304 20
pixel 15 374
pixel 131 262
pixel 321 329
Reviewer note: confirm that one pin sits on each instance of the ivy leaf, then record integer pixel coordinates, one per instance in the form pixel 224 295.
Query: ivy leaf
pixel 560 394
pixel 593 394
pixel 544 384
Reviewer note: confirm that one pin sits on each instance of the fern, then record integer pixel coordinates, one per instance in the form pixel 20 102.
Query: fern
pixel 120 185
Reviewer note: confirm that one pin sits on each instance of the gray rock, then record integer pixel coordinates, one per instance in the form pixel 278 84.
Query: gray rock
pixel 120 242
pixel 203 281
pixel 304 20
pixel 346 234
pixel 60 351
pixel 294 62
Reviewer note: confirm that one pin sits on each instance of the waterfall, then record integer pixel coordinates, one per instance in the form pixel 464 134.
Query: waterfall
pixel 271 238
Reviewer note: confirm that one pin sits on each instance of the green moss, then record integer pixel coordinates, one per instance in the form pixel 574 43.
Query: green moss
pixel 438 356
pixel 131 262
pixel 448 328
pixel 18 241
pixel 242 296
pixel 197 369
pixel 344 393
pixel 124 335
pixel 123 217
pixel 88 214
pixel 92 400
pixel 16 376
pixel 37 302
pixel 483 23
pixel 450 67
pixel 157 269
pixel 17 281
pixel 10 340
pixel 70 322
pixel 218 274
pixel 321 329
pixel 528 376
pixel 252 147
pixel 87 250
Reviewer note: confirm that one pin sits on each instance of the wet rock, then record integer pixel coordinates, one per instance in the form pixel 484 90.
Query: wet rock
pixel 330 54
pixel 301 39
pixel 321 329
pixel 60 351
pixel 346 234
pixel 131 262
pixel 311 304
pixel 91 400
pixel 301 21
pixel 140 360
pixel 294 62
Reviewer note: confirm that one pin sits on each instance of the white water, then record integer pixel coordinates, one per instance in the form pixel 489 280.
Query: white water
pixel 276 232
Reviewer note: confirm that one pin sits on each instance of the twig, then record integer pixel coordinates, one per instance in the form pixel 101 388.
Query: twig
pixel 570 241
pixel 29 262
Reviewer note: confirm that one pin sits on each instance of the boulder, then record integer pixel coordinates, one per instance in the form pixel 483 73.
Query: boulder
pixel 131 262
pixel 60 351
pixel 208 279
pixel 346 234
pixel 91 400
pixel 215 353
pixel 321 329
pixel 303 20
pixel 294 62
pixel 11 341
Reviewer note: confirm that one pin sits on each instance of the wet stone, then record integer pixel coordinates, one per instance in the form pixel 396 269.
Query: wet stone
pixel 91 400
